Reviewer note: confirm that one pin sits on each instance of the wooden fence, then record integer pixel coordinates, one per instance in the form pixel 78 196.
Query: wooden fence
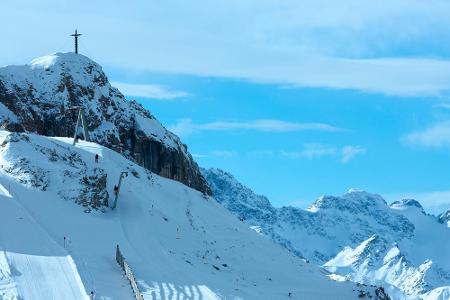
pixel 128 273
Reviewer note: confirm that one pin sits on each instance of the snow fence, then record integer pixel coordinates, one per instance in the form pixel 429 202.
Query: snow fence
pixel 128 273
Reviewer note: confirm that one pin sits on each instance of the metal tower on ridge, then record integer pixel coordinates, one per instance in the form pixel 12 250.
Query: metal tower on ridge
pixel 81 119
pixel 76 35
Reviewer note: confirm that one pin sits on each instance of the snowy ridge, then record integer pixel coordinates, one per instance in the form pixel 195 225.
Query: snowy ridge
pixel 180 243
pixel 44 97
pixel 357 236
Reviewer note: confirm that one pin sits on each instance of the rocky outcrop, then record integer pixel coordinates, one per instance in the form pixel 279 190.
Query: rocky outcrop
pixel 45 96
pixel 94 192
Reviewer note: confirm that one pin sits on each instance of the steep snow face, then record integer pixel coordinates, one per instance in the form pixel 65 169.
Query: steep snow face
pixel 58 234
pixel 44 97
pixel 358 236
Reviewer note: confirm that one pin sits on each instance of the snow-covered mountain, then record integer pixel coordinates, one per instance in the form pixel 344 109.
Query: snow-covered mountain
pixel 44 96
pixel 445 218
pixel 358 236
pixel 58 236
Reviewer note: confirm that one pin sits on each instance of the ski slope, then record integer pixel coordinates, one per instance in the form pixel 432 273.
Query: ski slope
pixel 30 254
pixel 180 243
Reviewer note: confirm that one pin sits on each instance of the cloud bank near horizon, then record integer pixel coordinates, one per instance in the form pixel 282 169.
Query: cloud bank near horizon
pixel 152 91
pixel 433 137
pixel 186 127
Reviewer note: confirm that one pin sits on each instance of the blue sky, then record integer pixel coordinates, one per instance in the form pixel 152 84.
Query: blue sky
pixel 295 98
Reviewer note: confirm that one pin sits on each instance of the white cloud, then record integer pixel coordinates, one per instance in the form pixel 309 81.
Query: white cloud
pixel 186 127
pixel 349 152
pixel 315 150
pixel 345 46
pixel 434 202
pixel 442 105
pixel 223 154
pixel 435 136
pixel 183 128
pixel 216 153
pixel 311 151
pixel 300 203
pixel 261 154
pixel 152 91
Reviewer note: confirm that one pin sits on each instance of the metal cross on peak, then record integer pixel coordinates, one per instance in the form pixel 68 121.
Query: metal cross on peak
pixel 76 35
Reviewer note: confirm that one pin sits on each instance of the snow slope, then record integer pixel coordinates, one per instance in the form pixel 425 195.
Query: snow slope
pixel 27 252
pixel 180 243
pixel 357 236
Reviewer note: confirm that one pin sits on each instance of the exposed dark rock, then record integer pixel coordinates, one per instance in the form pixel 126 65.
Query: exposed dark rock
pixel 94 193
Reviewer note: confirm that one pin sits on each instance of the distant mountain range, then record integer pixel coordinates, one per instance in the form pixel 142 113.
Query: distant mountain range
pixel 356 236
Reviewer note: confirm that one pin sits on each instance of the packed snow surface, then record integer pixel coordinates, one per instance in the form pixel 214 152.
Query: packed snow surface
pixel 58 236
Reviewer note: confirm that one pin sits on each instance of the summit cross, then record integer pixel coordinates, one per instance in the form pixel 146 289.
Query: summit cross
pixel 76 35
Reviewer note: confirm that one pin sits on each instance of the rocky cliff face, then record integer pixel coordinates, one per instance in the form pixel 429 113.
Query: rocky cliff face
pixel 45 96
pixel 356 236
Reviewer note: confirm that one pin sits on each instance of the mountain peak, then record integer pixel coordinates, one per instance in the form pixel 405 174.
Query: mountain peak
pixel 43 97
pixel 54 73
pixel 353 200
pixel 405 203
pixel 48 61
